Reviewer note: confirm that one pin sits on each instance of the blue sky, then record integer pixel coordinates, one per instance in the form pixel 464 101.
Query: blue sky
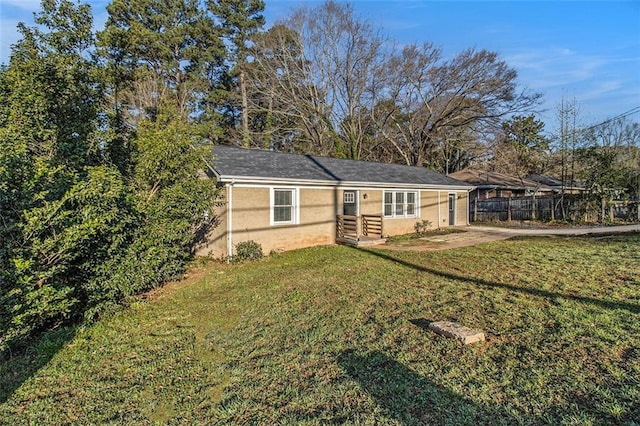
pixel 587 50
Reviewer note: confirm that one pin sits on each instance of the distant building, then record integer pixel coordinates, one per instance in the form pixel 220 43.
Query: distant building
pixel 499 185
pixel 574 187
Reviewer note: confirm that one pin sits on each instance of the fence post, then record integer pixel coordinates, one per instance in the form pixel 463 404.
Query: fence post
pixel 611 215
pixel 509 209
pixel 533 206
pixel 475 209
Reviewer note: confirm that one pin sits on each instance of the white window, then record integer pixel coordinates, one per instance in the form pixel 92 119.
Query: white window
pixel 349 197
pixel 400 198
pixel 410 208
pixel 388 204
pixel 400 204
pixel 284 208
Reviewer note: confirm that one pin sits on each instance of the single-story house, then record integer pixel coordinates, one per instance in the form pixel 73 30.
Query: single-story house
pixel 286 201
pixel 499 185
pixel 574 187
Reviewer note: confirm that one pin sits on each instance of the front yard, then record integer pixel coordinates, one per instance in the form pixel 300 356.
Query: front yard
pixel 339 335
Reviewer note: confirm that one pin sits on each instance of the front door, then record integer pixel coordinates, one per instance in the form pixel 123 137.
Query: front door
pixel 452 209
pixel 350 203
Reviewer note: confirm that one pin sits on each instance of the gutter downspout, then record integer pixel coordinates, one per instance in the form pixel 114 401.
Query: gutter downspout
pixel 468 206
pixel 439 208
pixel 230 221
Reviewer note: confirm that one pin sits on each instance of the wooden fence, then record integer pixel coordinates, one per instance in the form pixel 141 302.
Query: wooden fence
pixel 567 207
pixel 347 227
pixel 372 225
pixel 354 227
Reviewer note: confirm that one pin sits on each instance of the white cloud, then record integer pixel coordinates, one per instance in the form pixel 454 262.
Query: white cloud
pixel 553 67
pixel 601 89
pixel 601 82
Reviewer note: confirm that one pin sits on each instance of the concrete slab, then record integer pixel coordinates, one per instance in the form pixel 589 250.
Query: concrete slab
pixel 464 335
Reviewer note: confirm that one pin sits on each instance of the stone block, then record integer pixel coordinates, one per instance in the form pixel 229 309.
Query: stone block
pixel 464 335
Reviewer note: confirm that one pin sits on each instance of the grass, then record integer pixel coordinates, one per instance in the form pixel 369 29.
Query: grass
pixel 338 335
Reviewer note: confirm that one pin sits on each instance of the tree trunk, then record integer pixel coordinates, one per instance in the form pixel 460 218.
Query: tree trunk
pixel 534 216
pixel 246 140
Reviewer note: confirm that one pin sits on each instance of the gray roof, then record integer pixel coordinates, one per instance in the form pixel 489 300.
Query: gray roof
pixel 231 162
pixel 556 183
pixel 488 179
pixel 545 180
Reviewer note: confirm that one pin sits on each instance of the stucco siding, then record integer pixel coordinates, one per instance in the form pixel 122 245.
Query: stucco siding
pixel 316 217
pixel 429 207
pixel 251 220
pixel 372 205
pixel 443 209
pixel 250 214
pixel 462 209
pixel 215 242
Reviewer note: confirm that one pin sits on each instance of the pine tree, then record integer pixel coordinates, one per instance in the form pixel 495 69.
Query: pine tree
pixel 240 20
pixel 156 52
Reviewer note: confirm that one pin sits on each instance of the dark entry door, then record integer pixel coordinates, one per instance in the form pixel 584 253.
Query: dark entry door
pixel 350 203
pixel 452 209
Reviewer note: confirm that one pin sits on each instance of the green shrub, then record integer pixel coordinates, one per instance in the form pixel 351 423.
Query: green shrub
pixel 103 238
pixel 248 250
pixel 64 243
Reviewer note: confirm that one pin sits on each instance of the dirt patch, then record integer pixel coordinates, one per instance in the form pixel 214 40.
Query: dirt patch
pixel 450 241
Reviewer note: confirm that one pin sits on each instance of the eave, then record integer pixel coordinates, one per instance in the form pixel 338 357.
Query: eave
pixel 338 184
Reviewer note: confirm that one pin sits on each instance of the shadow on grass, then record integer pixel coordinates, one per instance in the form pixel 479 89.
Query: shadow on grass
pixel 410 398
pixel 18 367
pixel 608 304
pixel 422 323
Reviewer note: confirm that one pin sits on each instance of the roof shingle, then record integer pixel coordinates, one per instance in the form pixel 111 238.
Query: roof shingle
pixel 249 163
pixel 483 178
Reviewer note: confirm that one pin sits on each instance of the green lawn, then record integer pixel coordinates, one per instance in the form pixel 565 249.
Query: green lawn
pixel 338 335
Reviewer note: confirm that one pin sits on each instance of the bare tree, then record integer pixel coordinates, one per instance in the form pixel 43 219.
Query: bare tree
pixel 430 99
pixel 322 63
pixel 568 140
pixel 283 101
pixel 325 81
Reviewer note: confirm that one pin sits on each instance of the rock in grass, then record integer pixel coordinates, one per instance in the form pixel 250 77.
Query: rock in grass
pixel 464 335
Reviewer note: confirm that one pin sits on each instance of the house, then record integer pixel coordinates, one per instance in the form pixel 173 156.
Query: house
pixel 572 187
pixel 499 185
pixel 287 201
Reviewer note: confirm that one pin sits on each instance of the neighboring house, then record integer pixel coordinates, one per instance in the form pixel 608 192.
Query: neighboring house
pixel 288 201
pixel 575 187
pixel 499 185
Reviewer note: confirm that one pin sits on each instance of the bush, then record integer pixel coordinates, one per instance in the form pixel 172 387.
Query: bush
pixel 64 243
pixel 248 250
pixel 422 227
